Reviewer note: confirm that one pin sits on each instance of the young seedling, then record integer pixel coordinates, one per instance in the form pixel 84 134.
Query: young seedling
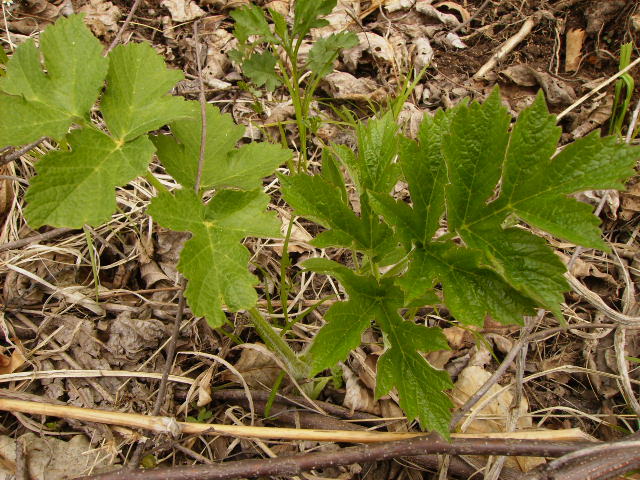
pixel 269 54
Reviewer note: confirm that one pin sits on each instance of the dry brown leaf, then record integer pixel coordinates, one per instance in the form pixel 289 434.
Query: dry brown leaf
pixel 631 201
pixel 49 458
pixel 464 13
pixel 496 410
pixel 572 57
pixel 102 17
pixel 33 16
pixel 378 47
pixel 7 193
pixel 11 363
pixel 257 368
pixel 204 387
pixel 358 397
pixel 345 86
pixel 183 10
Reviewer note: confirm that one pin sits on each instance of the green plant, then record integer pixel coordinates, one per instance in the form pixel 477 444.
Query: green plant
pixel 270 56
pixel 468 167
pixel 75 185
pixel 621 102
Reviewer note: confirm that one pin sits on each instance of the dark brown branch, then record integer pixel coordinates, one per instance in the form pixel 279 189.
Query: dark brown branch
pixel 296 464
pixel 12 155
pixel 56 232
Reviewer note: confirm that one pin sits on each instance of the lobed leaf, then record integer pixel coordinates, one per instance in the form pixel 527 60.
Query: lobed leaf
pixel 261 69
pixel 33 103
pixel 75 188
pixel 324 51
pixel 213 260
pixel 308 13
pixel 224 165
pixel 250 20
pixel 419 384
pixel 137 97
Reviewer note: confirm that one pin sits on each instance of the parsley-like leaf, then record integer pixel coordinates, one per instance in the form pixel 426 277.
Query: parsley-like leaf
pixel 325 51
pixel 260 68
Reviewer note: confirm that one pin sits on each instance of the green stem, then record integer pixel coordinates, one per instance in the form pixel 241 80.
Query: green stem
pixel 277 344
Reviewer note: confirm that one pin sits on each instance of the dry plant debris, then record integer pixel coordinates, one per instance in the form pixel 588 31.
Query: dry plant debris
pixel 101 302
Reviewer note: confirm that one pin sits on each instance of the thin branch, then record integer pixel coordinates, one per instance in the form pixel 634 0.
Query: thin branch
pixel 508 360
pixel 472 17
pixel 296 464
pixel 124 26
pixel 134 461
pixel 40 237
pixel 16 154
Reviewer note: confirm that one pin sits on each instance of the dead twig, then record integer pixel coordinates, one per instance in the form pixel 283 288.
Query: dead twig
pixel 16 154
pixel 124 26
pixel 512 42
pixel 296 464
pixel 40 237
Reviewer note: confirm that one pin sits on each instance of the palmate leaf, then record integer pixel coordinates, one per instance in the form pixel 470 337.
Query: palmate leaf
pixel 213 260
pixel 224 165
pixel 250 20
pixel 420 385
pixel 34 103
pixel 137 98
pixel 261 69
pixel 75 188
pixel 479 153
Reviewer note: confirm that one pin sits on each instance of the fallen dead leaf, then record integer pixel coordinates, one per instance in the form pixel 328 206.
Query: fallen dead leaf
pixel 573 51
pixel 49 458
pixel 102 17
pixel 378 47
pixel 183 10
pixel 257 368
pixel 345 86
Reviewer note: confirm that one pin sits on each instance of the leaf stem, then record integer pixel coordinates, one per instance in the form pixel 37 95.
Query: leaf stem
pixel 277 344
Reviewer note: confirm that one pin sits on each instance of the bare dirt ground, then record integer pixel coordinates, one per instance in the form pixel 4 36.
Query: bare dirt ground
pixel 79 304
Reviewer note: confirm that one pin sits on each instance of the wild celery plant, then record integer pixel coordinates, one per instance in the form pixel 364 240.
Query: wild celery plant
pixel 269 54
pixel 485 264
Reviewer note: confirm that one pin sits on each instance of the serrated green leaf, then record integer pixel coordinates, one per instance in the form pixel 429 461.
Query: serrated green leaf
pixel 525 261
pixel 308 13
pixel 224 165
pixel 35 104
pixel 250 20
pixel 473 151
pixel 75 188
pixel 419 385
pixel 372 167
pixel 314 198
pixel 325 51
pixel 213 260
pixel 471 291
pixel 401 365
pixel 535 183
pixel 137 97
pixel 261 69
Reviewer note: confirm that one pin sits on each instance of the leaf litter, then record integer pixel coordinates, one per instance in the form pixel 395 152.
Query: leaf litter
pixel 132 297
